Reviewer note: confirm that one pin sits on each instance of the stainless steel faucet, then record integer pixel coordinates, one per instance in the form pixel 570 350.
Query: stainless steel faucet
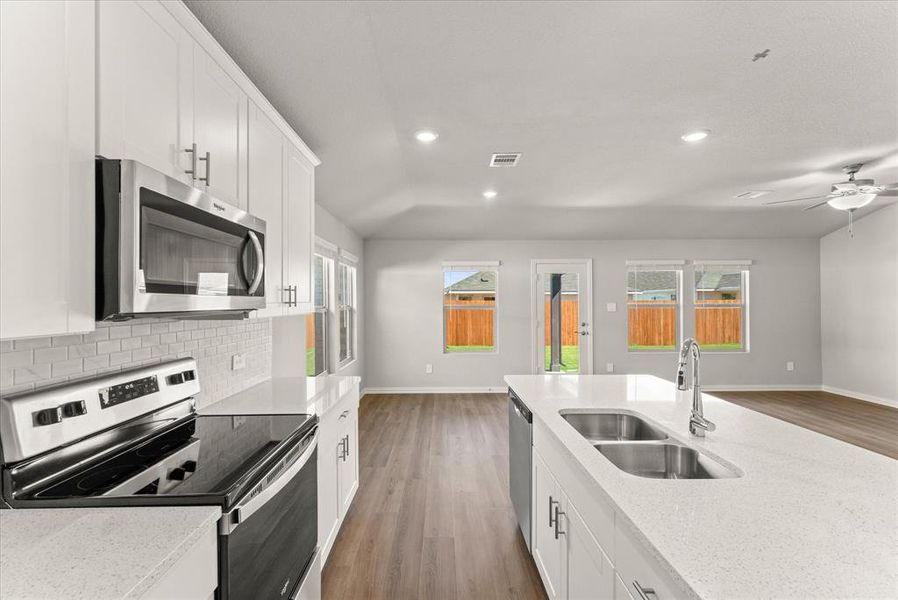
pixel 698 424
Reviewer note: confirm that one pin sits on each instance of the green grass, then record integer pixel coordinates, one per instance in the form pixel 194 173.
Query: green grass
pixel 705 347
pixel 310 362
pixel 470 348
pixel 570 358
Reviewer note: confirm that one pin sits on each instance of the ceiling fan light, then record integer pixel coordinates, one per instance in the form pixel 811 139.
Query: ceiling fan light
pixel 851 202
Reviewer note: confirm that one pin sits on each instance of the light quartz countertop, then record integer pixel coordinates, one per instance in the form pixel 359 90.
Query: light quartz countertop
pixel 286 395
pixel 94 553
pixel 811 516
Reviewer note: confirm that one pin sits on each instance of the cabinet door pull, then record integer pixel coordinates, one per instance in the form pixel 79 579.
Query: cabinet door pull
pixel 558 513
pixel 645 593
pixel 208 160
pixel 192 170
pixel 552 504
pixel 346 446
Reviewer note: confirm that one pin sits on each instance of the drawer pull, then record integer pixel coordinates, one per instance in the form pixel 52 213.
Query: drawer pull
pixel 552 504
pixel 645 593
pixel 344 414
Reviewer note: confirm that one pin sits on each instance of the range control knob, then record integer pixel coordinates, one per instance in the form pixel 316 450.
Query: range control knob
pixel 48 416
pixel 74 409
pixel 176 379
pixel 189 466
pixel 177 474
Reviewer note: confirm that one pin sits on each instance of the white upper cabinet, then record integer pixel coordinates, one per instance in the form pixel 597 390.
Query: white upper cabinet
pixel 219 130
pixel 266 201
pixel 299 229
pixel 47 66
pixel 144 91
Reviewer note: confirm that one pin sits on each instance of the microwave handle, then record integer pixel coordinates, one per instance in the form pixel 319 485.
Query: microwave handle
pixel 237 515
pixel 260 263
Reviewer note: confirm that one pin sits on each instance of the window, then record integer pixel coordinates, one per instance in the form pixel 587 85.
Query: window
pixel 469 307
pixel 653 307
pixel 346 312
pixel 317 321
pixel 721 307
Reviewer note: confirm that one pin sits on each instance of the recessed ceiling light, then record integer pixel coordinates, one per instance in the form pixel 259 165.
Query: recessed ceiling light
pixel 490 194
pixel 695 136
pixel 426 136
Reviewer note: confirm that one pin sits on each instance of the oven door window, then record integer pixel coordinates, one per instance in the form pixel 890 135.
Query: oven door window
pixel 186 250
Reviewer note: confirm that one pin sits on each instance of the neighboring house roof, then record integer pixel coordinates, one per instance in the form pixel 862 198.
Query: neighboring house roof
pixel 717 281
pixel 652 281
pixel 485 282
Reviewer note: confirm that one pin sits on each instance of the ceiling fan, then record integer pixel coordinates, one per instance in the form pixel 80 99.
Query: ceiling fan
pixel 848 195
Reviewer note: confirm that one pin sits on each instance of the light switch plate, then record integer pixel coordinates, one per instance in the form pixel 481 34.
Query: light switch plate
pixel 609 367
pixel 238 361
pixel 611 306
pixel 428 368
pixel 790 366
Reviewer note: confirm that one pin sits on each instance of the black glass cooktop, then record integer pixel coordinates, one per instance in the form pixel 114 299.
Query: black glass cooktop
pixel 205 456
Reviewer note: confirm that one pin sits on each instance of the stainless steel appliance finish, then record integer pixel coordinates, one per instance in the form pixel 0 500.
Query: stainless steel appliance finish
pixel 166 248
pixel 134 439
pixel 597 427
pixel 698 424
pixel 664 461
pixel 520 460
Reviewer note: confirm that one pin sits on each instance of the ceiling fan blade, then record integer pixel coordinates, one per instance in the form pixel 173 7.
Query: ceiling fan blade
pixel 816 205
pixel 794 200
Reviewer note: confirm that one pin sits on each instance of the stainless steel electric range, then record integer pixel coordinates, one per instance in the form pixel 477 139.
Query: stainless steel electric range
pixel 134 439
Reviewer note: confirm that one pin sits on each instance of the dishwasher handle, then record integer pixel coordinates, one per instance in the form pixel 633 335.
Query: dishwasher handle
pixel 519 407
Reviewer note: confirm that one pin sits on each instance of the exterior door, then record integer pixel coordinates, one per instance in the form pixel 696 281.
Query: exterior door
pixel 562 316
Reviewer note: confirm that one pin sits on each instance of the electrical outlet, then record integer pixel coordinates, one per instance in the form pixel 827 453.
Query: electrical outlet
pixel 428 368
pixel 790 366
pixel 237 421
pixel 611 306
pixel 609 367
pixel 238 361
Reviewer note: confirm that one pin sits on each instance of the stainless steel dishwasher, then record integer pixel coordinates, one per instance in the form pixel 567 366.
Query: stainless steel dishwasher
pixel 520 448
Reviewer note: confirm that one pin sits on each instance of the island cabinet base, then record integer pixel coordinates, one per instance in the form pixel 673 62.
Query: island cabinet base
pixel 580 546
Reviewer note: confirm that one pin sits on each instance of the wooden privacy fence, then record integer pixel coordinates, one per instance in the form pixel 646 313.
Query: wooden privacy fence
pixel 648 324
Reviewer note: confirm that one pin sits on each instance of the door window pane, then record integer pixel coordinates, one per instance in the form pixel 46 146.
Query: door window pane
pixel 720 308
pixel 562 322
pixel 653 305
pixel 469 310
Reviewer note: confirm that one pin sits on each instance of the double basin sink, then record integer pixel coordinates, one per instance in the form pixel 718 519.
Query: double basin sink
pixel 636 446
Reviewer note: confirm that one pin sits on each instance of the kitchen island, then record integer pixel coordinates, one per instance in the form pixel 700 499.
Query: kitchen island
pixel 807 516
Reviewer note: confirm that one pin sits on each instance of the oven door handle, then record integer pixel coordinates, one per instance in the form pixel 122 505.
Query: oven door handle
pixel 245 508
pixel 260 263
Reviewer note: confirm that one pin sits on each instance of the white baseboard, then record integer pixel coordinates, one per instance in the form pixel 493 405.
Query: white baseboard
pixel 860 396
pixel 750 387
pixel 434 390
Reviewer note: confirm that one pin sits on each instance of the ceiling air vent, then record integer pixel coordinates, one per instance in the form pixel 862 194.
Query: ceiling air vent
pixel 505 159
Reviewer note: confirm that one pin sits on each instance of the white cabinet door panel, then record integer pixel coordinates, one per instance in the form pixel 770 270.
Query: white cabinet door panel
pixel 144 100
pixel 546 549
pixel 589 572
pixel 299 225
pixel 266 201
pixel 348 465
pixel 220 129
pixel 47 148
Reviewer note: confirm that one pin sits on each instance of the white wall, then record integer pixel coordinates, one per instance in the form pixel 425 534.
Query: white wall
pixel 859 308
pixel 404 323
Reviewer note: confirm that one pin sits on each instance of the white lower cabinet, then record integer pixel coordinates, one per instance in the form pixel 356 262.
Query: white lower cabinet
pixel 582 549
pixel 573 565
pixel 338 468
pixel 194 576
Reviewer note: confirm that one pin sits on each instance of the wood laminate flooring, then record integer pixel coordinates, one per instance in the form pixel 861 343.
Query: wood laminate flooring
pixel 865 424
pixel 432 517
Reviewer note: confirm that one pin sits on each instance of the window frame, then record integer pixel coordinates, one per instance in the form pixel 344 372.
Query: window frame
pixel 677 267
pixel 743 268
pixel 344 265
pixel 476 266
pixel 323 309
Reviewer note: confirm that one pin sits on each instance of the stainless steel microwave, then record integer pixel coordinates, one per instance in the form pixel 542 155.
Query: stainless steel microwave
pixel 166 249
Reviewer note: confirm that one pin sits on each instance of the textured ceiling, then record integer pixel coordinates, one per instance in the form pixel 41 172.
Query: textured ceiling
pixel 594 94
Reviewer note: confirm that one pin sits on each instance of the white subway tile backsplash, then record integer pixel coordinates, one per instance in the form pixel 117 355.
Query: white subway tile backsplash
pixel 112 347
pixel 50 355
